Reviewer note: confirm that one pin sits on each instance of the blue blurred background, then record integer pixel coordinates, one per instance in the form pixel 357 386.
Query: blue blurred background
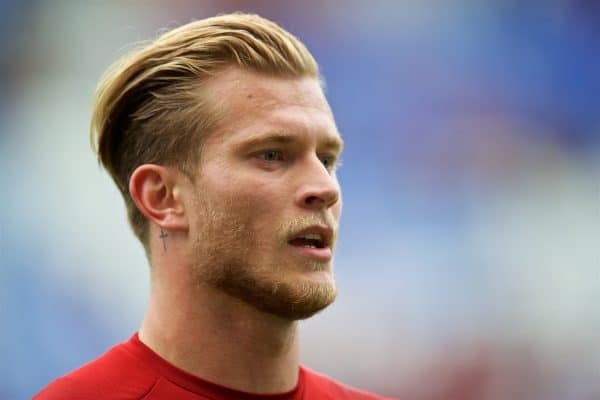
pixel 469 257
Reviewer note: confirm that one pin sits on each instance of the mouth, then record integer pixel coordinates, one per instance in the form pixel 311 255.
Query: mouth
pixel 308 241
pixel 314 242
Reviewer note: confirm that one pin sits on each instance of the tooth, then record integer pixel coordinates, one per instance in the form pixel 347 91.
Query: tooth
pixel 314 236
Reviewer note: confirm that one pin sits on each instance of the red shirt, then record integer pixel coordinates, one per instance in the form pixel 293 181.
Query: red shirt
pixel 131 370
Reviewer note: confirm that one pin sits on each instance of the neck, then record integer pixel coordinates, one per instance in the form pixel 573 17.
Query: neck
pixel 220 339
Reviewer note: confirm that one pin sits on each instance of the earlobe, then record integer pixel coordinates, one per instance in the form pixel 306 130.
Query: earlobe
pixel 155 191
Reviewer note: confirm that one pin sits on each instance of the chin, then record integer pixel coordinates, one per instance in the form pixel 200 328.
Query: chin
pixel 298 295
pixel 294 297
pixel 302 300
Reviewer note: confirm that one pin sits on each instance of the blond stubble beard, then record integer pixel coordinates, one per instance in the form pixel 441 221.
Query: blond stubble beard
pixel 224 250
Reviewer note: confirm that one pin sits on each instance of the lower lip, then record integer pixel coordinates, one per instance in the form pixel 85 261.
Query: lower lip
pixel 323 254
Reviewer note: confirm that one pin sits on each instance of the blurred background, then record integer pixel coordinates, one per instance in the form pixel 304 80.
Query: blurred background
pixel 469 257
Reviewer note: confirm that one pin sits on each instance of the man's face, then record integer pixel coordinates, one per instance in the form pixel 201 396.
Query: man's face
pixel 266 198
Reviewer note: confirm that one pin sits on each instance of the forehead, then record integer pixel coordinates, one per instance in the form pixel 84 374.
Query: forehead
pixel 243 87
pixel 252 102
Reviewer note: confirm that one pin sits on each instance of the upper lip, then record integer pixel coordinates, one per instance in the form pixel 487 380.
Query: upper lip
pixel 325 231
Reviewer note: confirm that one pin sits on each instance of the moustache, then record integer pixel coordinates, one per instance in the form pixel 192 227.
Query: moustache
pixel 290 228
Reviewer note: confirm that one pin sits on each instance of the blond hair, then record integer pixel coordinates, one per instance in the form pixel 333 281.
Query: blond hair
pixel 150 107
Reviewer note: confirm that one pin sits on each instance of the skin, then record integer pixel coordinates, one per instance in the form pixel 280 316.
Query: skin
pixel 227 287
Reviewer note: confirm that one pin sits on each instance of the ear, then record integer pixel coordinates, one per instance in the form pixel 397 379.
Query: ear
pixel 157 193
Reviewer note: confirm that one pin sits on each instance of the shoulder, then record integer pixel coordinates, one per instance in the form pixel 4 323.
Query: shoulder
pixel 117 374
pixel 322 387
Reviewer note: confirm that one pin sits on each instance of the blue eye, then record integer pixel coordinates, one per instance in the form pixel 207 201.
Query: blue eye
pixel 329 162
pixel 271 155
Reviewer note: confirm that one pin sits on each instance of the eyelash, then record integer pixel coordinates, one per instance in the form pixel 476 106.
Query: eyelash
pixel 270 151
pixel 335 164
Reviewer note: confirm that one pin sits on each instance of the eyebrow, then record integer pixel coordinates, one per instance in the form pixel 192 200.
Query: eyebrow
pixel 333 143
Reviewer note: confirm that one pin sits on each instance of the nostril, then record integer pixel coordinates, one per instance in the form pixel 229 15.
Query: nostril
pixel 317 196
pixel 312 200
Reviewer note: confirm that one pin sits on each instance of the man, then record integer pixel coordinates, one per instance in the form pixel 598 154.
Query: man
pixel 224 148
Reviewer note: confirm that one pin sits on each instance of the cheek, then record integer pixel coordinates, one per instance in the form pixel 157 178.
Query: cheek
pixel 253 205
pixel 263 195
pixel 264 205
pixel 337 210
pixel 256 199
pixel 337 207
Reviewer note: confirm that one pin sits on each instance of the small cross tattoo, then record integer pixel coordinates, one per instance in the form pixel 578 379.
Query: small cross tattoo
pixel 163 235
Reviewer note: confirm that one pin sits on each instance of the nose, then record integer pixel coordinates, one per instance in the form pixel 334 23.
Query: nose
pixel 319 189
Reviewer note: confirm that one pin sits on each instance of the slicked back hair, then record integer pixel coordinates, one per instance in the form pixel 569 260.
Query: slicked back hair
pixel 150 107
